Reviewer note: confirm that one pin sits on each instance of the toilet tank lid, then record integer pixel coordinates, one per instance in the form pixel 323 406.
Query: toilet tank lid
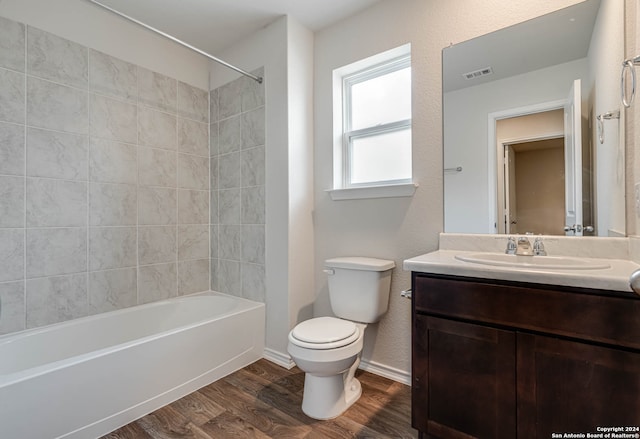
pixel 360 263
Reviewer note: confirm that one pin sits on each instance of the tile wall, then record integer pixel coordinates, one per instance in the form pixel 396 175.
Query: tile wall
pixel 238 188
pixel 104 182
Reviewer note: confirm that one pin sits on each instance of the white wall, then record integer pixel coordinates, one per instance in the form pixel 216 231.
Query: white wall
pixel 92 26
pixel 468 201
pixel 396 228
pixel 285 50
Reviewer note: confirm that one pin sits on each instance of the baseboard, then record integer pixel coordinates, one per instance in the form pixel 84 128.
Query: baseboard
pixel 392 373
pixel 279 358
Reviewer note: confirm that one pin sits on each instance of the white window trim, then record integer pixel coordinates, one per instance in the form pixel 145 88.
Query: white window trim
pixel 341 190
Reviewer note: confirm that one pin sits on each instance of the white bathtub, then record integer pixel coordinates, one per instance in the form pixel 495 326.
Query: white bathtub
pixel 87 377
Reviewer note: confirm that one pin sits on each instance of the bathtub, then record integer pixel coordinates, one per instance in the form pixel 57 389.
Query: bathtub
pixel 87 377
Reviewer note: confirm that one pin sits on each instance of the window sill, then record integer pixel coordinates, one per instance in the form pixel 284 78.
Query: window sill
pixel 386 191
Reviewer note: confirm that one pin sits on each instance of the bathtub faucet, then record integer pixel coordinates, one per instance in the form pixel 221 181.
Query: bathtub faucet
pixel 524 247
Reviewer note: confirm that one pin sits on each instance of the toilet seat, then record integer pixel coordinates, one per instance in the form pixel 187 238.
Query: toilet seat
pixel 324 333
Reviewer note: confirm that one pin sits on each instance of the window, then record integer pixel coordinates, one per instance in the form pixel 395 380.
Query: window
pixel 376 122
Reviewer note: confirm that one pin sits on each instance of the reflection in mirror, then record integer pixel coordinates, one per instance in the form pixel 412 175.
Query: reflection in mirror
pixel 520 126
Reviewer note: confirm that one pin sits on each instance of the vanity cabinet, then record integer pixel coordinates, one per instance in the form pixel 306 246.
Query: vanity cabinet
pixel 501 359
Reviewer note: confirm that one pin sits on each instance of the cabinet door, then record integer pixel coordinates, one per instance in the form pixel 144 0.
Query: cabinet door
pixel 463 380
pixel 574 387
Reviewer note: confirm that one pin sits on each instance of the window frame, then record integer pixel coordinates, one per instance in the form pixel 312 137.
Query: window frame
pixel 348 81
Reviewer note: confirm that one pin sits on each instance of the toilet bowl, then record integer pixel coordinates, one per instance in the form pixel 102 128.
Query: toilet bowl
pixel 330 386
pixel 328 349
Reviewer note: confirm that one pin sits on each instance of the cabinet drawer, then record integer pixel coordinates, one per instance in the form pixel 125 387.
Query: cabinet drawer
pixel 606 319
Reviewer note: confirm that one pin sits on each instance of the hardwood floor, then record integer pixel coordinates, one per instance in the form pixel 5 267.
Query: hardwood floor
pixel 264 400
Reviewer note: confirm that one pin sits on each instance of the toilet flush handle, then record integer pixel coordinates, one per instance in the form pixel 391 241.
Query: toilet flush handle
pixel 329 271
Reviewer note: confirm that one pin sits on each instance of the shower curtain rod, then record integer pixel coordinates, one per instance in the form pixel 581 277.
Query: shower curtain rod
pixel 182 43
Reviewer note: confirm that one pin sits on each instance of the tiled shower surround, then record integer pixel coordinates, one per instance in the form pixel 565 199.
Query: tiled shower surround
pixel 104 182
pixel 238 188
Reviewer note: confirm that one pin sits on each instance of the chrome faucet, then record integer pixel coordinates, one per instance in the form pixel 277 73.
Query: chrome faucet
pixel 511 246
pixel 524 247
pixel 538 247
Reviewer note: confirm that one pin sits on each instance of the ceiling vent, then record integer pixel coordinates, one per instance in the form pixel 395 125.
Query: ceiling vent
pixel 478 73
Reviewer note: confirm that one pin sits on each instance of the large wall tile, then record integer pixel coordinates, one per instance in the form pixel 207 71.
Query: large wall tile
pixel 157 90
pixel 193 102
pixel 56 299
pixel 229 171
pixel 11 202
pixel 113 162
pixel 252 94
pixel 157 167
pixel 229 99
pixel 230 242
pixel 156 244
pixel 11 149
pixel 13 305
pixel 56 203
pixel 11 254
pixel 213 106
pixel 56 59
pixel 113 119
pixel 229 207
pixel 193 207
pixel 214 142
pixel 213 173
pixel 213 208
pixel 157 128
pixel 214 233
pixel 157 206
pixel 112 76
pixel 229 139
pixel 193 242
pixel 252 128
pixel 229 277
pixel 253 167
pixel 12 37
pixel 51 252
pixel 253 205
pixel 193 172
pixel 193 137
pixel 253 244
pixel 157 282
pixel 112 289
pixel 112 247
pixel 193 276
pixel 57 155
pixel 253 282
pixel 11 96
pixel 56 107
pixel 112 204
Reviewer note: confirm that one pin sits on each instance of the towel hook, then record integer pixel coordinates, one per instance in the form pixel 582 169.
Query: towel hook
pixel 601 118
pixel 628 64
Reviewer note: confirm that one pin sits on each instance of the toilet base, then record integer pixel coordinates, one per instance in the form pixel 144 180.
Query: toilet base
pixel 326 397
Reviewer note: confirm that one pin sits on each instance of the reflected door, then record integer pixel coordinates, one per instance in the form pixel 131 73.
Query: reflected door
pixel 573 161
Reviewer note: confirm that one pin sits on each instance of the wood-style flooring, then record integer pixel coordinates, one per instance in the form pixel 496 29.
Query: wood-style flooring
pixel 264 400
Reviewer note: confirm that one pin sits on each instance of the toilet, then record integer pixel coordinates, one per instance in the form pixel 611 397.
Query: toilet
pixel 328 349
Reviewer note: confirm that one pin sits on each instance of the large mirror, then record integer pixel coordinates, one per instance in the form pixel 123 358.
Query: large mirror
pixel 532 129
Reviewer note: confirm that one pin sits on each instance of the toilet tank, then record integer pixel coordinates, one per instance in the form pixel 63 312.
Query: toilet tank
pixel 359 287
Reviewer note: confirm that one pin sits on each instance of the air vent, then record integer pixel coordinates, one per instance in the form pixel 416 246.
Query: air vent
pixel 478 73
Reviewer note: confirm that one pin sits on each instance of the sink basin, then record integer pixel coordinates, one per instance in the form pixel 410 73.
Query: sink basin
pixel 533 262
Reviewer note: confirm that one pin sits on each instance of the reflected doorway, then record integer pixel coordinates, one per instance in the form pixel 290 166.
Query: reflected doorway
pixel 534 186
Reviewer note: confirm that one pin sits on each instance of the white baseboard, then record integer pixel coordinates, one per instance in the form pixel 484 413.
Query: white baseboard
pixel 279 358
pixel 392 373
pixel 401 376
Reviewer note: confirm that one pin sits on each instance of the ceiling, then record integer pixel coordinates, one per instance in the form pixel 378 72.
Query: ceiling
pixel 213 25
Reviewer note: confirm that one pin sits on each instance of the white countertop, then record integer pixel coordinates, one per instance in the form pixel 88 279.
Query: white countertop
pixel 615 278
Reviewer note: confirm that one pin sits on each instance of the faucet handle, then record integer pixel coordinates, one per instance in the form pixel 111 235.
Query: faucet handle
pixel 538 247
pixel 511 246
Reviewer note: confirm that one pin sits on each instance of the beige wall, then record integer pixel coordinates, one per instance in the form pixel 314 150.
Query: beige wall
pixel 396 228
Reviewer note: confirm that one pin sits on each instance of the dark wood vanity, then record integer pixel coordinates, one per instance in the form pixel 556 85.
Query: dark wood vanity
pixel 504 359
